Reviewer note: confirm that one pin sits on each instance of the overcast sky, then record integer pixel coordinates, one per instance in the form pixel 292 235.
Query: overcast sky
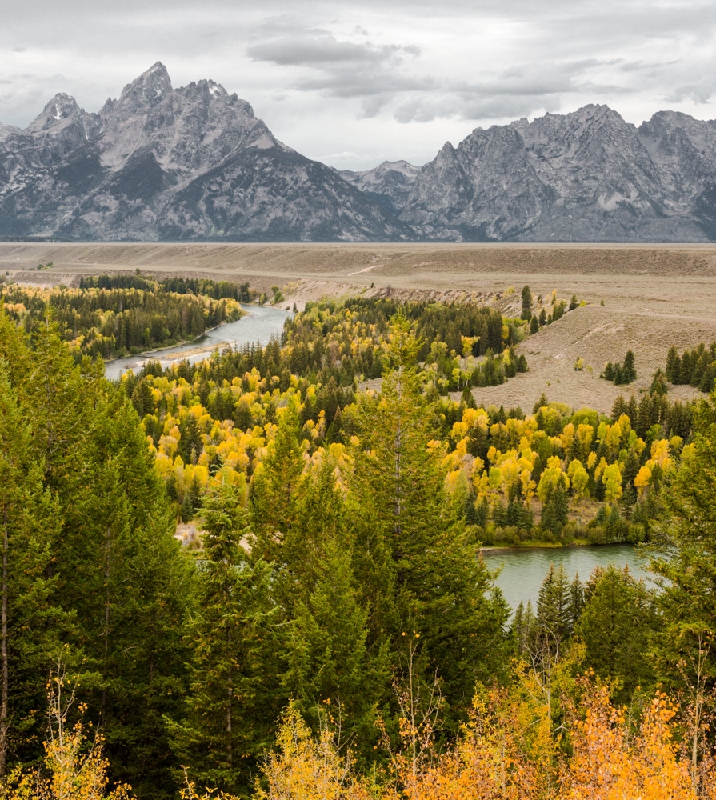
pixel 353 84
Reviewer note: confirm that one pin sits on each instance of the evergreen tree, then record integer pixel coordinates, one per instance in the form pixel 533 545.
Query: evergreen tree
pixel 616 626
pixel 329 660
pixel 576 601
pixel 276 489
pixel 115 567
pixel 526 303
pixel 418 570
pixel 686 535
pixel 554 510
pixel 232 702
pixel 673 365
pixel 628 371
pixel 31 624
pixel 554 608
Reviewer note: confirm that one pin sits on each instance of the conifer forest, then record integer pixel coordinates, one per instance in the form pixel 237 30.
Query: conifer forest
pixel 332 629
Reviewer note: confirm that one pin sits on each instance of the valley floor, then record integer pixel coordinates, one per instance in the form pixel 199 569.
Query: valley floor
pixel 653 295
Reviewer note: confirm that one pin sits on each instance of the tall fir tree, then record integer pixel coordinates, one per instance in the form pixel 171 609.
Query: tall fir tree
pixel 554 607
pixel 684 650
pixel 616 626
pixel 234 698
pixel 329 660
pixel 276 488
pixel 31 623
pixel 117 573
pixel 419 571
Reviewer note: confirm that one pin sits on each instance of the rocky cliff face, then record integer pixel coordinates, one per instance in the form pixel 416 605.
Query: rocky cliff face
pixel 390 183
pixel 586 176
pixel 163 164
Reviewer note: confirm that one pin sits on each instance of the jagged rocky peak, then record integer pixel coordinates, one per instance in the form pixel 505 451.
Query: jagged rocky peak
pixel 8 130
pixel 556 135
pixel 59 110
pixel 209 91
pixel 392 181
pixel 146 91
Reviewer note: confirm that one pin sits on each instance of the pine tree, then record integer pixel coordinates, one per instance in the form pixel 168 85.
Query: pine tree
pixel 576 601
pixel 418 571
pixel 554 510
pixel 554 617
pixel 122 574
pixel 232 703
pixel 276 489
pixel 686 533
pixel 673 365
pixel 526 303
pixel 628 371
pixel 616 626
pixel 31 624
pixel 115 565
pixel 329 660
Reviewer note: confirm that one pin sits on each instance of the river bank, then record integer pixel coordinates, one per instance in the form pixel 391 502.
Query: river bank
pixel 256 326
pixel 522 570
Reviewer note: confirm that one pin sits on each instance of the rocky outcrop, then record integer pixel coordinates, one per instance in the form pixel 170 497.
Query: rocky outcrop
pixel 390 183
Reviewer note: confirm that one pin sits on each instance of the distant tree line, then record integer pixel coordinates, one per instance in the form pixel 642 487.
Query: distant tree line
pixel 112 316
pixel 207 287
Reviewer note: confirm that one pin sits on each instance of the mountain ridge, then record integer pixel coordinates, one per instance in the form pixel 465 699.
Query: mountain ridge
pixel 194 163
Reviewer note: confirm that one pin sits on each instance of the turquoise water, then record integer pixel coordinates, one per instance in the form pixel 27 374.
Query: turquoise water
pixel 258 325
pixel 522 571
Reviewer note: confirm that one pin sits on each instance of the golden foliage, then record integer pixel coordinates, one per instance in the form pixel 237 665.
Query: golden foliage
pixel 307 768
pixel 70 772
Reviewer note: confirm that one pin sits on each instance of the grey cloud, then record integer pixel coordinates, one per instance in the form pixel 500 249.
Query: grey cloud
pixel 390 62
pixel 345 69
pixel 699 92
pixel 320 50
pixel 496 107
pixel 360 84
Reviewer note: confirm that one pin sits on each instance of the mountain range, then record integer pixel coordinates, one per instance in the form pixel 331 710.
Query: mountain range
pixel 194 163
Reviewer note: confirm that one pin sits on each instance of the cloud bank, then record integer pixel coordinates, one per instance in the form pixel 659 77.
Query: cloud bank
pixel 354 85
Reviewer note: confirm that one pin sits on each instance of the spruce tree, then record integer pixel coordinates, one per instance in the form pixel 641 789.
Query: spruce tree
pixel 233 701
pixel 526 303
pixel 31 623
pixel 616 626
pixel 686 535
pixel 115 565
pixel 329 659
pixel 276 489
pixel 418 569
pixel 554 608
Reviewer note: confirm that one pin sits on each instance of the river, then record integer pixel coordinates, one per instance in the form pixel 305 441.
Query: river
pixel 258 325
pixel 524 570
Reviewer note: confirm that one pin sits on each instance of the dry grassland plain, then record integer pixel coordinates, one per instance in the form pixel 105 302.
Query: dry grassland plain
pixel 653 295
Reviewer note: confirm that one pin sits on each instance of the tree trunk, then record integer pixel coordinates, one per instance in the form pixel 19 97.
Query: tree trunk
pixel 229 701
pixel 107 564
pixel 3 653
